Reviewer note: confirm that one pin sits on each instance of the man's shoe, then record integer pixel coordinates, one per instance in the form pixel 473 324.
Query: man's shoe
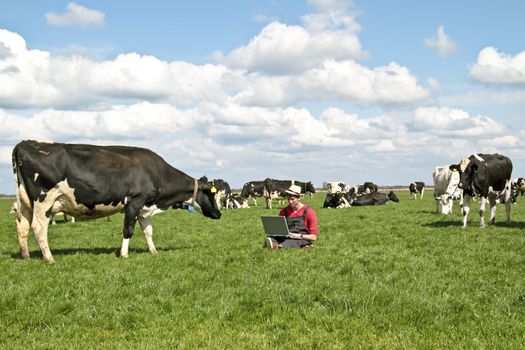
pixel 270 244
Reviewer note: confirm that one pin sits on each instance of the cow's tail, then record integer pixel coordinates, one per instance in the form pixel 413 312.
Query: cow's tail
pixel 18 179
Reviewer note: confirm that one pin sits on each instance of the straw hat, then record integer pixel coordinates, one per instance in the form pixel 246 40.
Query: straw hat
pixel 294 190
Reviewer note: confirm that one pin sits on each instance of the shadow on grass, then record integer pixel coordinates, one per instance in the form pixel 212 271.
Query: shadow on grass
pixel 441 224
pixel 458 223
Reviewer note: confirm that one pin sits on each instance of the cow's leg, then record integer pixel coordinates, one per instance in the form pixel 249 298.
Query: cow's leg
pixel 466 209
pixel 254 201
pixel 422 192
pixel 23 224
pixel 268 203
pixel 145 224
pixel 482 204
pixel 131 213
pixel 40 225
pixel 492 202
pixel 508 201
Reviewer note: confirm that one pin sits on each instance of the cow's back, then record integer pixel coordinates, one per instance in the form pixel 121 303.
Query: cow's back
pixel 498 172
pixel 95 174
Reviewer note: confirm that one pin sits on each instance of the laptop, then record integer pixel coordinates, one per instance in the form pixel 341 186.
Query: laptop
pixel 275 225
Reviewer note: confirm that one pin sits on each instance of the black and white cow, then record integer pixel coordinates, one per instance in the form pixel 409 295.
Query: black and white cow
pixel 518 186
pixel 337 200
pixel 275 189
pixel 235 201
pixel 253 189
pixel 376 198
pixel 367 187
pixel 446 189
pixel 337 186
pixel 415 188
pixel 487 176
pixel 95 181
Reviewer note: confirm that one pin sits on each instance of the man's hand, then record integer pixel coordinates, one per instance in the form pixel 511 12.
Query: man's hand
pixel 295 235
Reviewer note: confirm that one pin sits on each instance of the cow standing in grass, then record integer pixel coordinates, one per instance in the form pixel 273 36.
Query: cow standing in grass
pixel 253 189
pixel 415 188
pixel 446 189
pixel 275 189
pixel 96 181
pixel 487 176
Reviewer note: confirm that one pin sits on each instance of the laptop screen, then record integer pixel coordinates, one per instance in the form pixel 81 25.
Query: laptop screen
pixel 275 225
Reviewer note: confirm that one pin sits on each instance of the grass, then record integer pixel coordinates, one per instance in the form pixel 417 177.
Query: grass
pixel 386 277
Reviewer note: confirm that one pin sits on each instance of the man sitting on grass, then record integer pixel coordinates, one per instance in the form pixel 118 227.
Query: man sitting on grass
pixel 301 220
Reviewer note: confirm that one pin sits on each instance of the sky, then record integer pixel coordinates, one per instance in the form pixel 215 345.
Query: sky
pixel 314 90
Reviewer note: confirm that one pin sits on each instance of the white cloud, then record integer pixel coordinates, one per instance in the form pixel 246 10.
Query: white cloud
pixel 451 122
pixel 499 68
pixel 281 48
pixel 290 49
pixel 37 79
pixel 350 81
pixel 442 44
pixel 76 15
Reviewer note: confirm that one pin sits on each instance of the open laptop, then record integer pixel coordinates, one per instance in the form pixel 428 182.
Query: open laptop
pixel 275 225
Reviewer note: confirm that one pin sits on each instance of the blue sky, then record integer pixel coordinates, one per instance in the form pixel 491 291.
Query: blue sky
pixel 319 90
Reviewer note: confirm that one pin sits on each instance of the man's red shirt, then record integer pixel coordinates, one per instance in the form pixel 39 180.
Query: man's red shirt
pixel 310 221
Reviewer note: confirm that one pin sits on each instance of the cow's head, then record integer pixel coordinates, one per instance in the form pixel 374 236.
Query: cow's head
pixel 467 170
pixel 444 203
pixel 309 187
pixel 392 196
pixel 205 201
pixel 446 200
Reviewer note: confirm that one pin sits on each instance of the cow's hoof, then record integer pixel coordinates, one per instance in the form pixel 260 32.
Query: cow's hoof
pixel 124 256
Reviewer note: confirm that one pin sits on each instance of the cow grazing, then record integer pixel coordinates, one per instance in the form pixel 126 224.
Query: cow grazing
pixel 337 200
pixel 486 176
pixel 275 189
pixel 446 189
pixel 95 181
pixel 376 198
pixel 415 188
pixel 253 189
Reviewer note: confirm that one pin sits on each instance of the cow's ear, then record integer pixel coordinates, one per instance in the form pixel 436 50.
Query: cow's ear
pixel 454 167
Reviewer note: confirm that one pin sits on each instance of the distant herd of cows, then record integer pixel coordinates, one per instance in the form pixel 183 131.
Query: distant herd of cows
pixel 88 181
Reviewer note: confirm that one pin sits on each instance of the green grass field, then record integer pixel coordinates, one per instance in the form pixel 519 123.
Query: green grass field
pixel 390 277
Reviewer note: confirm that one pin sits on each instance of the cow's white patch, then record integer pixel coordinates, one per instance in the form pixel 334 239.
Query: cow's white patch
pixel 478 157
pixel 36 177
pixel 147 212
pixel 464 163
